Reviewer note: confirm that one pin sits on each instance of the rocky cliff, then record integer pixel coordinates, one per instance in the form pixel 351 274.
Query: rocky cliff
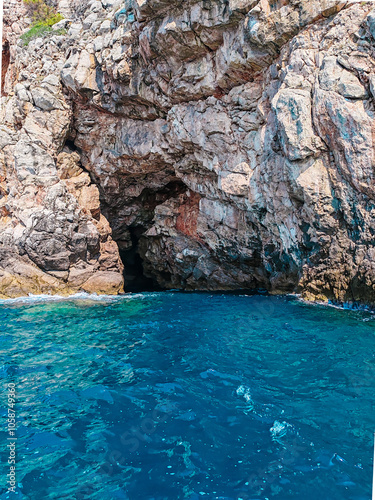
pixel 212 144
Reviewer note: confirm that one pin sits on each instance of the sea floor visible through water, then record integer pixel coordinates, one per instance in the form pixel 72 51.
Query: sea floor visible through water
pixel 168 396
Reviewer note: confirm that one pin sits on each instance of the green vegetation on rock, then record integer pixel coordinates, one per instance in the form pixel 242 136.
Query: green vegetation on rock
pixel 44 17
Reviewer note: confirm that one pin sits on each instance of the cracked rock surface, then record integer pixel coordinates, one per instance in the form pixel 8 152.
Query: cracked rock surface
pixel 203 144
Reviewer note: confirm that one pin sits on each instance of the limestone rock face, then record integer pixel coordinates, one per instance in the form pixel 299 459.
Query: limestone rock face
pixel 219 145
pixel 53 236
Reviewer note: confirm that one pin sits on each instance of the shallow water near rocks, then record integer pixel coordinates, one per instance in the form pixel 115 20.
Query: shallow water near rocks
pixel 168 396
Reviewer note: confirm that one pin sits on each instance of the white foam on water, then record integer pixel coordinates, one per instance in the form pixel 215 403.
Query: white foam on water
pixel 279 429
pixel 244 391
pixel 346 306
pixel 35 299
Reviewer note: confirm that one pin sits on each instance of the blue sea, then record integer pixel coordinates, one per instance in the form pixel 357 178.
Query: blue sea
pixel 168 396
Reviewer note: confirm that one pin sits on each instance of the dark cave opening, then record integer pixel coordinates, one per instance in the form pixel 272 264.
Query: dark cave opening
pixel 135 279
pixel 70 146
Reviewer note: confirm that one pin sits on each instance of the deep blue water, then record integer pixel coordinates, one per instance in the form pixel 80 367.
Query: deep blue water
pixel 169 396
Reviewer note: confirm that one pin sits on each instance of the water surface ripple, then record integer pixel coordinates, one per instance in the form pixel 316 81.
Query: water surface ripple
pixel 168 396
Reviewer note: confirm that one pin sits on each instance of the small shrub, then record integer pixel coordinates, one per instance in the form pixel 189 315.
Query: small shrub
pixel 38 10
pixel 44 17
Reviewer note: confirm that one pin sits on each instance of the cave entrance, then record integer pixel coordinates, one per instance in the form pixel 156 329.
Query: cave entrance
pixel 135 279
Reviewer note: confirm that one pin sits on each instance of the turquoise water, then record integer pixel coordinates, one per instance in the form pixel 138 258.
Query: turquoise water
pixel 168 396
